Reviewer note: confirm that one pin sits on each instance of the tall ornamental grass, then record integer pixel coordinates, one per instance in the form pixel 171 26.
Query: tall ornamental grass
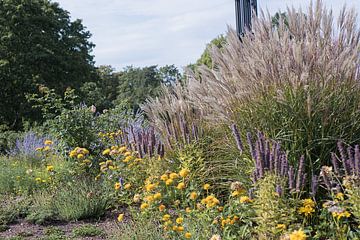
pixel 297 82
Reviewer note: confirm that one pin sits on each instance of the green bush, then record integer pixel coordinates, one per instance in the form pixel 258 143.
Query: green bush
pixel 87 231
pixel 41 210
pixel 81 200
pixel 306 120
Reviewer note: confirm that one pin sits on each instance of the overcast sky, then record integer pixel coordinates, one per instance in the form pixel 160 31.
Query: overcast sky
pixel 160 32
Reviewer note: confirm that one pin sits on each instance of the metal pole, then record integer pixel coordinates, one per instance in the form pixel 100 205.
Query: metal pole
pixel 243 9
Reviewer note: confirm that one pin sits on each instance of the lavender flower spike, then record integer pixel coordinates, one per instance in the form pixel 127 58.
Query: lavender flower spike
pixel 300 173
pixel 236 134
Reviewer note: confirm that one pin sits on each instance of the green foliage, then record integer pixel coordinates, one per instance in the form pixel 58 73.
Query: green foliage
pixel 12 208
pixel 271 209
pixel 205 58
pixel 81 200
pixel 75 127
pixel 54 233
pixel 307 120
pixel 139 228
pixel 40 45
pixel 7 138
pixel 50 103
pixel 87 231
pixel 41 210
pixel 137 84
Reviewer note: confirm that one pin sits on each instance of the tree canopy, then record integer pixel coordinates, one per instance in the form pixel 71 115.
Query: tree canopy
pixel 39 46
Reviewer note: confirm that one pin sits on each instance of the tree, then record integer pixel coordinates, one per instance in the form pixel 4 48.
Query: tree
pixel 39 45
pixel 137 84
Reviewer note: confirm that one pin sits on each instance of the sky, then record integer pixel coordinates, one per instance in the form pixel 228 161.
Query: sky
pixel 160 32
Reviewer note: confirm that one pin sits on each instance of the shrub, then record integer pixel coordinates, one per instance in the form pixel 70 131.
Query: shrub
pixel 87 231
pixel 42 209
pixel 81 200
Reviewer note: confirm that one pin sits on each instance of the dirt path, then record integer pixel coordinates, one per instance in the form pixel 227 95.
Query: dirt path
pixel 25 230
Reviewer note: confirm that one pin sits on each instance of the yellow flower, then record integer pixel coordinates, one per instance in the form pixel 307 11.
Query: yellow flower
pixel 188 210
pixel 174 228
pixel 215 237
pixel 106 152
pixel 308 202
pixel 340 196
pixel 307 210
pixel 39 149
pixel 281 227
pixel 136 198
pixel 164 177
pixel 166 217
pixel 127 154
pixel 169 182
pixel 38 179
pixel 50 168
pixel 235 193
pixel 48 142
pixel 127 159
pixel 184 172
pixel 120 217
pixel 122 149
pixel 80 156
pixel 179 220
pixel 144 206
pixel 245 199
pixel 193 195
pixel 127 186
pixel 297 235
pixel 173 176
pixel 342 214
pixel 149 187
pixel 149 198
pixel 157 196
pixel 206 186
pixel 180 228
pixel 162 207
pixel 187 235
pixel 181 186
pixel 46 148
pixel 117 186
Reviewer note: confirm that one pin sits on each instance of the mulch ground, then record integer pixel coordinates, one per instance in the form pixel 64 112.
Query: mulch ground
pixel 29 231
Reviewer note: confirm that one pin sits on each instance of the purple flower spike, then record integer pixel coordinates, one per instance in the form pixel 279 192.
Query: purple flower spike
pixel 291 178
pixel 237 137
pixel 343 157
pixel 251 145
pixel 314 185
pixel 279 190
pixel 357 160
pixel 335 163
pixel 300 173
pixel 350 162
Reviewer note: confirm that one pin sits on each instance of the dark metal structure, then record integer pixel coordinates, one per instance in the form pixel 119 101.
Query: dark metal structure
pixel 244 10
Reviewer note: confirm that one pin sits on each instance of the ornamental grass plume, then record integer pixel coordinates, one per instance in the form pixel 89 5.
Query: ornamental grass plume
pixel 287 55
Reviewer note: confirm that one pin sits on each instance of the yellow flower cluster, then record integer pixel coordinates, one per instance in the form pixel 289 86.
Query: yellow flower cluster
pixel 79 153
pixel 210 201
pixel 176 226
pixel 115 150
pixel 47 146
pixel 109 164
pixel 297 235
pixel 308 207
pixel 110 135
pixel 230 220
pixel 341 214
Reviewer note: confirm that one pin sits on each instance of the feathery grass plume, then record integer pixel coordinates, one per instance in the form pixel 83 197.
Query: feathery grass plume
pixel 287 55
pixel 174 116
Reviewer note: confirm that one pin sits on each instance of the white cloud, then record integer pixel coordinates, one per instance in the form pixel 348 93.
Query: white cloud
pixel 147 32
